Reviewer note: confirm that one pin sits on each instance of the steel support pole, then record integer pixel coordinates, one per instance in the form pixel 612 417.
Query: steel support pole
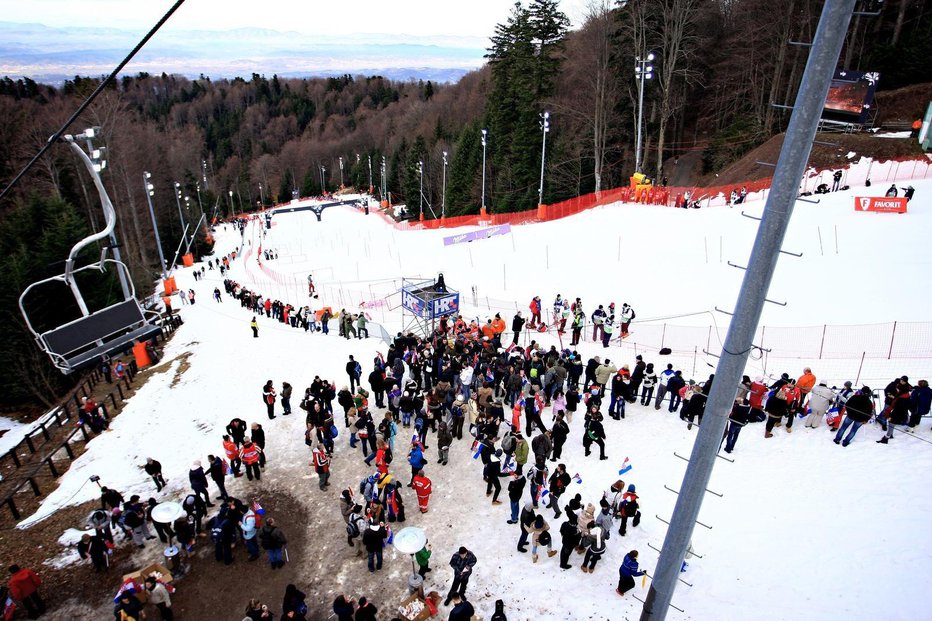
pixel 826 46
pixel 637 149
pixel 155 227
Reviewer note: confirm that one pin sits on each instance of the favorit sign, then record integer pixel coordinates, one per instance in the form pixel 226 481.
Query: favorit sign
pixel 880 203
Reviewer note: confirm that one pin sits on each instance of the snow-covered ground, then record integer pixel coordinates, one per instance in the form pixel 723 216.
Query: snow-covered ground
pixel 805 528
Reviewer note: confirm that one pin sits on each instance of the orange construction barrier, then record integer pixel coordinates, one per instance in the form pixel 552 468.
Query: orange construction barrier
pixel 169 285
pixel 187 259
pixel 141 355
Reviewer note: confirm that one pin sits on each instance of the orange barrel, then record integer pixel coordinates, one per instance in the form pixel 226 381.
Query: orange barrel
pixel 141 355
pixel 169 285
pixel 188 259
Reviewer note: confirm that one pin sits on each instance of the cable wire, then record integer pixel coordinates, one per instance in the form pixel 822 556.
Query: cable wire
pixel 87 102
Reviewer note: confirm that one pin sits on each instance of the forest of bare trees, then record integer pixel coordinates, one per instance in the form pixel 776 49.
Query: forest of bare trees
pixel 719 66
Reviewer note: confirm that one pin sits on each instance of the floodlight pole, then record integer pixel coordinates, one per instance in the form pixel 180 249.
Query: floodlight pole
pixel 485 134
pixel 420 172
pixel 443 196
pixel 823 57
pixel 150 190
pixel 545 127
pixel 642 71
pixel 178 202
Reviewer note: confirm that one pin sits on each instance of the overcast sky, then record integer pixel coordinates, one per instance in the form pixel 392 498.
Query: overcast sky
pixel 412 17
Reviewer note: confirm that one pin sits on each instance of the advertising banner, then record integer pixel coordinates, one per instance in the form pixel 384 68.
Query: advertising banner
pixel 413 304
pixel 447 305
pixel 880 204
pixel 485 233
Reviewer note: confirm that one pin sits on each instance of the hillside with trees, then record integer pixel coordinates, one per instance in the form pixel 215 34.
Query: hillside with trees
pixel 232 144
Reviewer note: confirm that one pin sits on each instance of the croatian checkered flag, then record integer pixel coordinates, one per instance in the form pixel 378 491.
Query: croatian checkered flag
pixel 542 494
pixel 625 467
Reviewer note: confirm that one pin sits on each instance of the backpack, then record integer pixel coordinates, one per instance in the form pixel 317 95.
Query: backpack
pixel 388 455
pixel 665 351
pixel 352 530
pixel 265 538
pixel 534 372
pixel 358 371
pixel 362 485
pixel 216 531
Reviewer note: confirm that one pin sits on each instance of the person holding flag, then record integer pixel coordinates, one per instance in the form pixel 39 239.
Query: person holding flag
pixel 628 572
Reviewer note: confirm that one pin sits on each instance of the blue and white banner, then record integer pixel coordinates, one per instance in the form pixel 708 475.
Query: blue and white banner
pixel 471 236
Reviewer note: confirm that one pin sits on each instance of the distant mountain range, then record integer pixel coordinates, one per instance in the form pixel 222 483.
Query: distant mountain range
pixel 50 55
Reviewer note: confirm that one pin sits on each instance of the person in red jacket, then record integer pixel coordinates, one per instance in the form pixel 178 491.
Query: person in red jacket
pixel 24 587
pixel 423 488
pixel 535 312
pixel 249 453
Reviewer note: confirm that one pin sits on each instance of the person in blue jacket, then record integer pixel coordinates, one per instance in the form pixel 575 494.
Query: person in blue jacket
pixel 920 402
pixel 417 461
pixel 628 572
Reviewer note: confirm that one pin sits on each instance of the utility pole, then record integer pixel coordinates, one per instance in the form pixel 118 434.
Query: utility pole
pixel 823 58
pixel 443 196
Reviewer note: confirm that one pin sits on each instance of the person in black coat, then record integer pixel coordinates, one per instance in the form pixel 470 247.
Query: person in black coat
pixel 377 383
pixel 462 609
pixel 515 491
pixel 154 470
pixel 517 324
pixel 257 435
pixel 343 608
pixel 293 601
pixel 637 376
pixel 237 430
pixel 559 481
pixel 94 547
pixel 217 471
pixel 594 432
pixel 858 410
pixel 366 610
pixel 558 433
pixel 739 417
pixel 198 480
pixel 570 538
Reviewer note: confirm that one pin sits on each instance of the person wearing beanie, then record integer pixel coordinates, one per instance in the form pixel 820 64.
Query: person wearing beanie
pixel 629 508
pixel 499 611
pixel 858 410
pixel 540 536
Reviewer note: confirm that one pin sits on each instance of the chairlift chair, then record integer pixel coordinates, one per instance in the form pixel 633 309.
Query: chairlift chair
pixel 83 342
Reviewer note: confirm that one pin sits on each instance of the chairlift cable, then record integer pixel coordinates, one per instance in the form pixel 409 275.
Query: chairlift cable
pixel 87 102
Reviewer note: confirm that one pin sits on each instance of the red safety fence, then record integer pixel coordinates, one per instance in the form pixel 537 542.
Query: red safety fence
pixel 672 196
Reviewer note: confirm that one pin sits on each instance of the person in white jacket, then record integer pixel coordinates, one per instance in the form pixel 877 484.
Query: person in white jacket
pixel 820 399
pixel 248 526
